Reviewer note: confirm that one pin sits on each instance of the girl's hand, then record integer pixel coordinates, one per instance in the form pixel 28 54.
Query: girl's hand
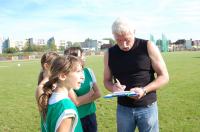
pixel 91 92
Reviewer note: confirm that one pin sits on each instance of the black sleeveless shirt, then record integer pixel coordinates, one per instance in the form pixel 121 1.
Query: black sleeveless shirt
pixel 133 69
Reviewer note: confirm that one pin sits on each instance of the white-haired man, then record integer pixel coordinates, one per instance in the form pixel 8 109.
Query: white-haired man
pixel 134 62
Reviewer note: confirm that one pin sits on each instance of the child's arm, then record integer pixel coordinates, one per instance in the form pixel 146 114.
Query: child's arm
pixel 92 95
pixel 97 93
pixel 80 100
pixel 66 125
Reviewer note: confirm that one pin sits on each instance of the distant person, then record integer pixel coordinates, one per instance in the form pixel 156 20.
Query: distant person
pixel 85 96
pixel 46 61
pixel 59 113
pixel 133 61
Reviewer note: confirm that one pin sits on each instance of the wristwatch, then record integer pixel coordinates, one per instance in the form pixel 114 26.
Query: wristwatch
pixel 144 90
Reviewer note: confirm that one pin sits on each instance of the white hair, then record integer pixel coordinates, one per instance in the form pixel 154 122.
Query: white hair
pixel 121 26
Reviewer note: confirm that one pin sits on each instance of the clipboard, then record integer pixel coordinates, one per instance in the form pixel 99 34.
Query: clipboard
pixel 121 94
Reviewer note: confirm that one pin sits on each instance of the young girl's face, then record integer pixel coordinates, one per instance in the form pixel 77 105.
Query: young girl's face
pixel 75 77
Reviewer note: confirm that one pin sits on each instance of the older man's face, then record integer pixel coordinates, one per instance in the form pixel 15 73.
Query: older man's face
pixel 125 41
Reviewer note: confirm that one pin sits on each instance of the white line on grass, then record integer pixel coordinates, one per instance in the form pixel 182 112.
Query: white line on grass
pixel 3 66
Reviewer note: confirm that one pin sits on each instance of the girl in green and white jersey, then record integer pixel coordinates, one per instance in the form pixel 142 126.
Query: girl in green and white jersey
pixel 85 96
pixel 59 114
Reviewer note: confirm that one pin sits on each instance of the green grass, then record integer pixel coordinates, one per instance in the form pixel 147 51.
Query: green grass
pixel 179 101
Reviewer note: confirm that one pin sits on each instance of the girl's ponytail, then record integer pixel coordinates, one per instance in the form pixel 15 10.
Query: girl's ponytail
pixel 44 98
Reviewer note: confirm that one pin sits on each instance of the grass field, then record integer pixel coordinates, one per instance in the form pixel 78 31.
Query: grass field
pixel 179 101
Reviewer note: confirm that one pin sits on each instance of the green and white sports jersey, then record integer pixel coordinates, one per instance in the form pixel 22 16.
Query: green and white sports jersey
pixel 59 108
pixel 85 87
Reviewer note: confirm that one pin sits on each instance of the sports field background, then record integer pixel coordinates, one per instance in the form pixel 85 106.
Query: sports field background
pixel 179 101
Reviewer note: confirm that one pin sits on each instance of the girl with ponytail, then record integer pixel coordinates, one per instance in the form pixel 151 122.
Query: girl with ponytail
pixel 46 61
pixel 59 114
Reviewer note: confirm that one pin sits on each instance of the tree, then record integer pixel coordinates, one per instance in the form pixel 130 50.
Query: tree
pixel 62 48
pixel 76 44
pixel 17 49
pixel 39 48
pixel 180 41
pixel 111 41
pixel 10 50
pixel 69 43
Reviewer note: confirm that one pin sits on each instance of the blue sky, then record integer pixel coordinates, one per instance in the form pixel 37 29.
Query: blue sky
pixel 76 20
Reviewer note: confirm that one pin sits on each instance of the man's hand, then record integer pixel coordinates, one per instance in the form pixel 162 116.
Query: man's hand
pixel 139 91
pixel 118 87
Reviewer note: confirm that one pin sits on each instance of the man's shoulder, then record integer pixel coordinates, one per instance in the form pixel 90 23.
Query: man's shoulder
pixel 140 39
pixel 114 47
